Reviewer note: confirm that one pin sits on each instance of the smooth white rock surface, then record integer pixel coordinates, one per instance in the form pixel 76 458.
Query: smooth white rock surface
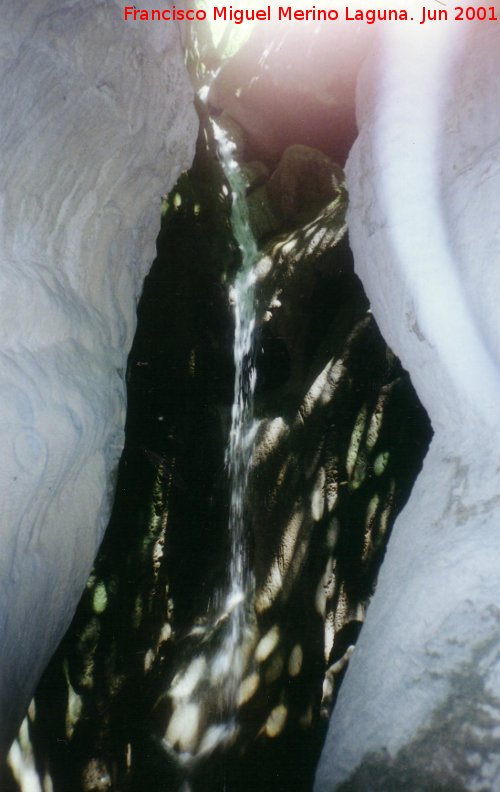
pixel 97 122
pixel 422 694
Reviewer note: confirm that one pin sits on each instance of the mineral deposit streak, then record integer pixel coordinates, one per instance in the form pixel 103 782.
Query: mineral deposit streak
pixel 243 424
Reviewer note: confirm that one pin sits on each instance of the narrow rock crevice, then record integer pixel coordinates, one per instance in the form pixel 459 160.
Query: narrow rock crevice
pixel 129 701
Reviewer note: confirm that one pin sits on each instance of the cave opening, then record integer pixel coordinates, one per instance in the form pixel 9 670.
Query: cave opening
pixel 341 438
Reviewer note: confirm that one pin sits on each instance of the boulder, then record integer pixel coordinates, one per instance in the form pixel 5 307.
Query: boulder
pixel 303 182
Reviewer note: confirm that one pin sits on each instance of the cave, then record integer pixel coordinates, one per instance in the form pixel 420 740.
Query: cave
pixel 308 363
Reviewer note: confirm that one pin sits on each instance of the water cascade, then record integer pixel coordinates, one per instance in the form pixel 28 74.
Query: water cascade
pixel 243 424
pixel 205 691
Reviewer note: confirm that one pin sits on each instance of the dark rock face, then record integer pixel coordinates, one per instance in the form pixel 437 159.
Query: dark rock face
pixel 340 442
pixel 304 181
pixel 163 553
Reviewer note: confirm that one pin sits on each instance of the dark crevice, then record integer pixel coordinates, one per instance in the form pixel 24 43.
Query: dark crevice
pixel 323 495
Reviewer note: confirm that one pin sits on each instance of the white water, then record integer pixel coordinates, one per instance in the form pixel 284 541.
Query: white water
pixel 204 693
pixel 243 424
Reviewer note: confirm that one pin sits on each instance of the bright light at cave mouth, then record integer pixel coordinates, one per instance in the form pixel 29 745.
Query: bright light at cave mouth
pixel 309 19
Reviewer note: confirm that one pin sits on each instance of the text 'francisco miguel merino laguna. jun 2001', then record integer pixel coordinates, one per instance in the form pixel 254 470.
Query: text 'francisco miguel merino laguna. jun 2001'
pixel 417 14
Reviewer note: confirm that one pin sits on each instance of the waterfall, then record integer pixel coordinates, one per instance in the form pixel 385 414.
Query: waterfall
pixel 205 691
pixel 243 424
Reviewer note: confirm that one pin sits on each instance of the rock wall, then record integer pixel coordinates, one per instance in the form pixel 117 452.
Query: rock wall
pixel 340 441
pixel 133 694
pixel 97 123
pixel 420 706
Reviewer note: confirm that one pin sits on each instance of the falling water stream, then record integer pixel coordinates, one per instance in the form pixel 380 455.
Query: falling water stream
pixel 243 423
pixel 216 672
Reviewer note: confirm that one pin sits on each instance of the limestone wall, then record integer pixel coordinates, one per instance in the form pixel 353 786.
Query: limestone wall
pixel 97 123
pixel 420 704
